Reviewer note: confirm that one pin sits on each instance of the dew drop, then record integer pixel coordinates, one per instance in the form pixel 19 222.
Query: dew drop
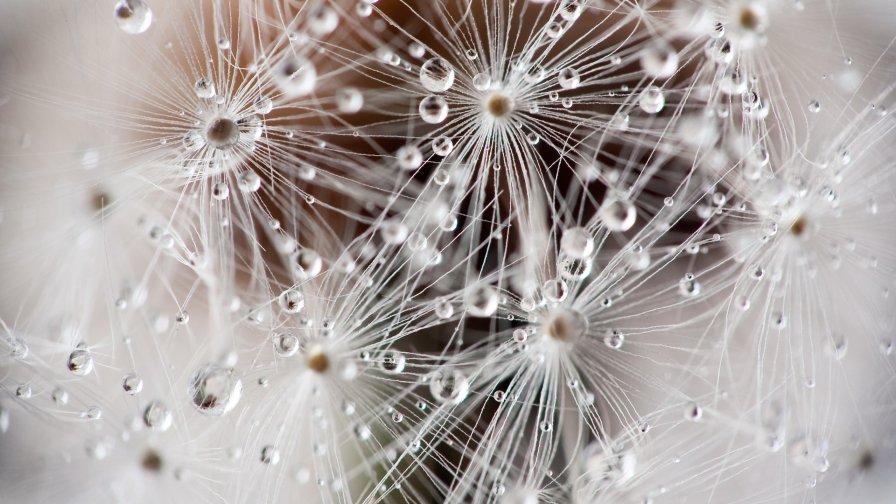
pixel 270 455
pixel 157 416
pixel 569 78
pixel 214 390
pixel 652 100
pixel 449 386
pixel 436 75
pixel 80 362
pixel 433 109
pixel 481 301
pixel 349 100
pixel 617 215
pixel 133 16
pixel 132 384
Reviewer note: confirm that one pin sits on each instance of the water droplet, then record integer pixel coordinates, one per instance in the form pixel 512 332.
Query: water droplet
pixel 449 386
pixel 659 60
pixel 617 215
pixel 322 21
pixel 652 100
pixel 349 100
pixel 80 362
pixel 689 287
pixel 433 109
pixel 248 181
pixel 157 416
pixel 306 263
pixel 569 78
pixel 204 87
pixel 392 361
pixel 214 390
pixel 444 309
pixel 814 106
pixel 295 76
pixel 291 301
pixel 436 75
pixel 270 455
pixel 442 146
pixel 553 30
pixel 614 339
pixel 481 301
pixel 482 81
pixel 220 191
pixel 132 384
pixel 133 16
pixel 262 105
pixel 409 157
pixel 577 243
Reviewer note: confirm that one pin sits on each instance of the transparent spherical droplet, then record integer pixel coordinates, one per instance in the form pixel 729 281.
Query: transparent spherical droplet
pixel 545 426
pixel 444 309
pixel 285 344
pixel 392 361
pixel 291 301
pixel 659 60
pixel 449 386
pixel 214 390
pixel 409 157
pixel 270 455
pixel 133 16
pixel 306 263
pixel 563 324
pixel 295 76
pixel 323 21
pixel 689 287
pixel 59 396
pixel 652 100
pixel 553 30
pixel 814 106
pixel 248 181
pixel 577 243
pixel 220 191
pixel 349 100
pixel 442 146
pixel 23 392
pixel 262 105
pixel 614 339
pixel 132 384
pixel 433 109
pixel 569 78
pixel 555 290
pixel 80 362
pixel 92 413
pixel 204 87
pixel 362 432
pixel 436 75
pixel 482 81
pixel 617 215
pixel 393 231
pixel 157 416
pixel 571 268
pixel 481 301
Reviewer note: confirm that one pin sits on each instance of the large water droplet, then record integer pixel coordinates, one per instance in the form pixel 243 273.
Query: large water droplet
pixel 433 109
pixel 449 386
pixel 133 16
pixel 436 75
pixel 214 390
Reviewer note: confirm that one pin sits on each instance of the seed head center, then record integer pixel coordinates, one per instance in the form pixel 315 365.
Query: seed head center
pixel 318 362
pixel 499 105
